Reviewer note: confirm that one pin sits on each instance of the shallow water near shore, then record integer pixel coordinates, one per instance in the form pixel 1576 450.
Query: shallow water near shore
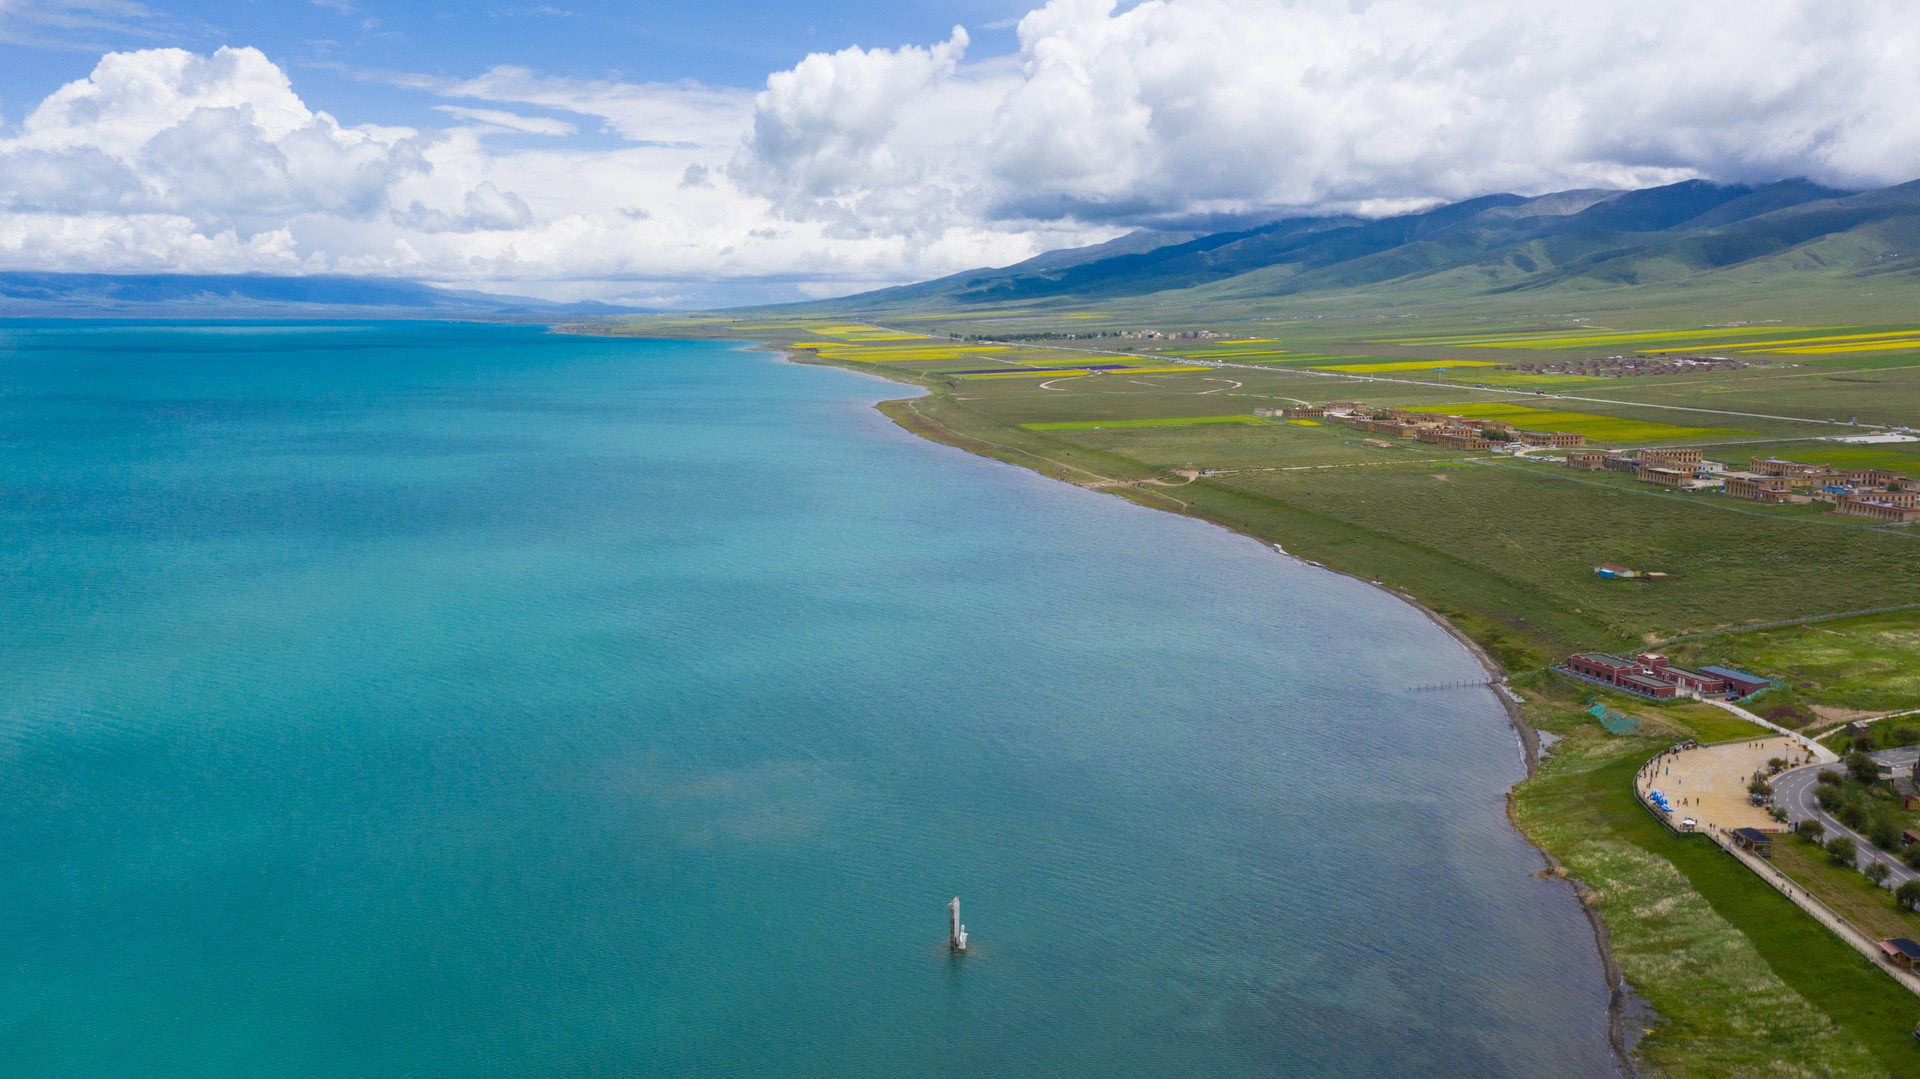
pixel 412 699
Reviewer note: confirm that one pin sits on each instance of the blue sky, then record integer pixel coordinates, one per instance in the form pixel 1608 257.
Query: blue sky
pixel 705 153
pixel 324 45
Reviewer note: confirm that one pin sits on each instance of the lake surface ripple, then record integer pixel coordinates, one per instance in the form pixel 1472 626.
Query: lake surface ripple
pixel 401 699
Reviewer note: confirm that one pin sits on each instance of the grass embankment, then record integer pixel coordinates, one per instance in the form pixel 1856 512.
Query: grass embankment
pixel 1745 983
pixel 1845 889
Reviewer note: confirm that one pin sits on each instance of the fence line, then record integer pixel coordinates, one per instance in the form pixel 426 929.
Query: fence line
pixel 1783 622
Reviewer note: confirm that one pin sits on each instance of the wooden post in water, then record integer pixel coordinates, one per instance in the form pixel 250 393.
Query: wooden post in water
pixel 957 933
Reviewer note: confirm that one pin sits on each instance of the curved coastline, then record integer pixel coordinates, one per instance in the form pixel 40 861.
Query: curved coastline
pixel 1619 994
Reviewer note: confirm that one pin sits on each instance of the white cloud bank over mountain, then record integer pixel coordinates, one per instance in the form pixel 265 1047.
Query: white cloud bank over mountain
pixel 867 166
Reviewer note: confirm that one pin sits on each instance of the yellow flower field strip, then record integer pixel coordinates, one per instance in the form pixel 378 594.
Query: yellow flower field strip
pixel 1531 378
pixel 1262 357
pixel 1097 425
pixel 1856 342
pixel 1598 428
pixel 836 350
pixel 1553 338
pixel 1070 372
pixel 1697 341
pixel 1404 365
pixel 1872 346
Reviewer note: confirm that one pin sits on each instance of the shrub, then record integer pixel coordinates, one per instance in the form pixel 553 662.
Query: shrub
pixel 1811 829
pixel 1759 787
pixel 1862 769
pixel 1878 872
pixel 1828 777
pixel 1908 895
pixel 1777 814
pixel 1842 850
pixel 1776 765
pixel 1829 797
pixel 1911 856
pixel 1884 833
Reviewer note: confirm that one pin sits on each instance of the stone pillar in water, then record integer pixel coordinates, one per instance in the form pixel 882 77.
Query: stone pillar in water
pixel 957 934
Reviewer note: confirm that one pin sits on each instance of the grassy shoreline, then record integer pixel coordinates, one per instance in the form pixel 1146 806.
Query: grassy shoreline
pixel 1748 929
pixel 1743 983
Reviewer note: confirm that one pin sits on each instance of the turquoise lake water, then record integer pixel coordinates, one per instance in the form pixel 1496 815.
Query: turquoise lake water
pixel 401 699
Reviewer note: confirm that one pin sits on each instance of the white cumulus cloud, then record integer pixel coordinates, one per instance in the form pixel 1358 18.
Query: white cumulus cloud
pixel 1177 107
pixel 869 166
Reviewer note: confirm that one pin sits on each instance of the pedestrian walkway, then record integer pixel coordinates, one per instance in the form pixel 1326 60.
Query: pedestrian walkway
pixel 1825 915
pixel 1821 754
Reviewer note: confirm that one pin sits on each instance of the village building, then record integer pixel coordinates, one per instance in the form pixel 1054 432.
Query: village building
pixel 1672 457
pixel 1701 682
pixel 1901 952
pixel 1555 439
pixel 1620 673
pixel 1380 427
pixel 1869 506
pixel 1615 462
pixel 1665 477
pixel 1738 681
pixel 1798 474
pixel 1652 675
pixel 1453 438
pixel 1766 490
pixel 1872 477
pixel 1590 460
pixel 1303 412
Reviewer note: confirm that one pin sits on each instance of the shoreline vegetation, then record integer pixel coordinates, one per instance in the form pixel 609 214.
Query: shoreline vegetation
pixel 1710 971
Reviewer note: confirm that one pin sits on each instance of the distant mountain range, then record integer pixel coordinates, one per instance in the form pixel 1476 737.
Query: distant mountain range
pixel 27 294
pixel 1493 244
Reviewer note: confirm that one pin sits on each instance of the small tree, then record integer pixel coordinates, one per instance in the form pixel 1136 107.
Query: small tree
pixel 1863 769
pixel 1878 872
pixel 1811 829
pixel 1828 778
pixel 1842 850
pixel 1884 832
pixel 1776 765
pixel 1777 814
pixel 1908 895
pixel 1911 856
pixel 1759 787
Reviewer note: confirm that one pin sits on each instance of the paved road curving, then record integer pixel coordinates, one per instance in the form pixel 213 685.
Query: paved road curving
pixel 1793 792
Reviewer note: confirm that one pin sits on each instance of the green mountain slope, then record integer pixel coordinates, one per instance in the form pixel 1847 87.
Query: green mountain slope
pixel 1496 244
